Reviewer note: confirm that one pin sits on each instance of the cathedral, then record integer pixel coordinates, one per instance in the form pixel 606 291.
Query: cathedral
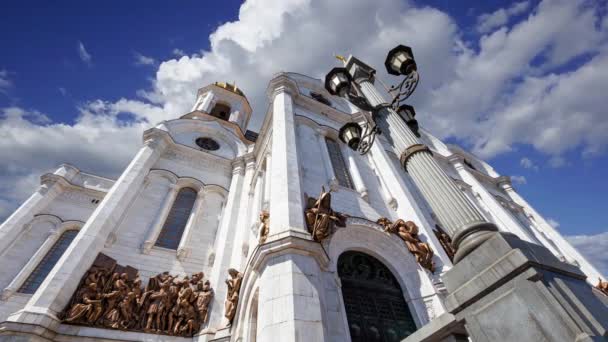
pixel 214 232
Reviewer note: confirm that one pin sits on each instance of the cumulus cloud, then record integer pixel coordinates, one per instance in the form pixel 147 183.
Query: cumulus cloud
pixel 488 21
pixel 594 248
pixel 553 222
pixel 509 86
pixel 178 52
pixel 5 82
pixel 519 180
pixel 143 60
pixel 98 142
pixel 527 163
pixel 85 56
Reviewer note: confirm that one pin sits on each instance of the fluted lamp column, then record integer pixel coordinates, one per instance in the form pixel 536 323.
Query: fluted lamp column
pixel 466 226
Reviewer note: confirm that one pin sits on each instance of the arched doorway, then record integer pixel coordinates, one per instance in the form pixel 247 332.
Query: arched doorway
pixel 375 308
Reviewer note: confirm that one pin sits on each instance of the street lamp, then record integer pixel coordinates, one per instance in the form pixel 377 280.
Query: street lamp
pixel 400 61
pixel 355 82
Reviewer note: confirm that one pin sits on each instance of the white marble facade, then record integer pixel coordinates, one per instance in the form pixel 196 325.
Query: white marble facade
pixel 291 289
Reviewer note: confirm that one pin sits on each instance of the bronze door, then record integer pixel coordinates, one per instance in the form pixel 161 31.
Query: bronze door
pixel 375 308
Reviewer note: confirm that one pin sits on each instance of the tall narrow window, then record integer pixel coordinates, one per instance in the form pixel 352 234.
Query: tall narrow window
pixel 337 162
pixel 47 263
pixel 175 224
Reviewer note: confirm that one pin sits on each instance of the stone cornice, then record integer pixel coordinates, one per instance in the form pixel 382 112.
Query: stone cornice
pixel 232 126
pixel 49 179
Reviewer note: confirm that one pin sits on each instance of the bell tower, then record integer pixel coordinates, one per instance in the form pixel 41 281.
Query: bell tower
pixel 223 101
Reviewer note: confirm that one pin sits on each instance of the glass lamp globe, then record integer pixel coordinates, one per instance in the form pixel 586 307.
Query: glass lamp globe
pixel 350 134
pixel 337 81
pixel 400 61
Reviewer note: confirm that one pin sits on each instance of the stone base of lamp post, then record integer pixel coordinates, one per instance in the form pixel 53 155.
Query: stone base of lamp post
pixel 511 290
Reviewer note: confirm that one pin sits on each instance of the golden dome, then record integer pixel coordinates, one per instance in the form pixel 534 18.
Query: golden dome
pixel 230 87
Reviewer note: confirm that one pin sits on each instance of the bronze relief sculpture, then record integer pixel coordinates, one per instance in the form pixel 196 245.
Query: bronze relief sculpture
pixel 408 232
pixel 320 217
pixel 232 296
pixel 602 286
pixel 445 241
pixel 265 230
pixel 111 296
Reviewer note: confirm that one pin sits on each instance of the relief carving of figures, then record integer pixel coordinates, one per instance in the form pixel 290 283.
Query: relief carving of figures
pixel 602 286
pixel 408 232
pixel 232 296
pixel 445 241
pixel 111 296
pixel 265 230
pixel 320 218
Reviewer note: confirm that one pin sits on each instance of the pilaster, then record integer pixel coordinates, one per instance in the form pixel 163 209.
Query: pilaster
pixel 56 290
pixel 355 173
pixel 565 247
pixel 224 242
pixel 286 205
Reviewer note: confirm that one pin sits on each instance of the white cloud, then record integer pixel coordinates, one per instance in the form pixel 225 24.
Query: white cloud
pixel 5 82
pixel 85 56
pixel 527 163
pixel 553 222
pixel 178 52
pixel 519 179
pixel 488 21
pixel 494 91
pixel 594 248
pixel 143 60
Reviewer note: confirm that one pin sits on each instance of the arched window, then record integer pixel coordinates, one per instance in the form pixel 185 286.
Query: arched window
pixel 374 304
pixel 221 111
pixel 171 233
pixel 47 263
pixel 337 162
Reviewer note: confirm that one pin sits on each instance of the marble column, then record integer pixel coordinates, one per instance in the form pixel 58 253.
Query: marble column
pixel 286 207
pixel 456 214
pixel 332 181
pixel 160 219
pixel 183 249
pixel 55 292
pixel 508 222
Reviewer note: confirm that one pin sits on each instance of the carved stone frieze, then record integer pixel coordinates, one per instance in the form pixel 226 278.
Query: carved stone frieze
pixel 112 296
pixel 321 218
pixel 232 295
pixel 200 162
pixel 408 232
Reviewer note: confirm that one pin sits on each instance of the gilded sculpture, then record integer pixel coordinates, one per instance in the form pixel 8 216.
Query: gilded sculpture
pixel 111 296
pixel 320 217
pixel 265 230
pixel 602 286
pixel 232 296
pixel 408 232
pixel 445 241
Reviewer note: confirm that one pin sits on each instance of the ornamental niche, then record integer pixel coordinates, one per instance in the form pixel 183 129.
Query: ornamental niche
pixel 408 232
pixel 320 218
pixel 111 296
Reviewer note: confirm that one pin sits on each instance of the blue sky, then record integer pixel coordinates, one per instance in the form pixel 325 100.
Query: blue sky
pixel 79 79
